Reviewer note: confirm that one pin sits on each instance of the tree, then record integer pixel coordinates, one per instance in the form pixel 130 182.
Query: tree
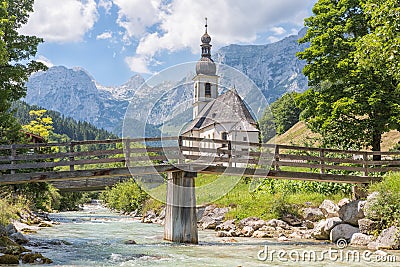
pixel 351 101
pixel 40 125
pixel 280 117
pixel 15 65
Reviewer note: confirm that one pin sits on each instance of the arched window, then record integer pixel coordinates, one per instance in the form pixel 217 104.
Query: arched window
pixel 208 90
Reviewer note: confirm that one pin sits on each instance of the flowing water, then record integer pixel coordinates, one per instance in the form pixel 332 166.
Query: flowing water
pixel 96 237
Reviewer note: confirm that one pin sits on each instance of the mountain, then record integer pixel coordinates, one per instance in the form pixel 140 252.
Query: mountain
pixel 73 92
pixel 274 68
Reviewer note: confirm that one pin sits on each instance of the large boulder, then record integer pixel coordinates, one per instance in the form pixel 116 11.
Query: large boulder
pixel 212 217
pixel 247 231
pixel 367 226
pixel 208 222
pixel 11 229
pixel 19 238
pixel 343 231
pixel 360 239
pixel 253 222
pixel 291 219
pixel 388 239
pixel 313 214
pixel 352 212
pixel 226 226
pixel 278 223
pixel 329 208
pixel 323 228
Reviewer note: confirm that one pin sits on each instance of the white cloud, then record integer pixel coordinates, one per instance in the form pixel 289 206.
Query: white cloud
pixel 138 64
pixel 278 30
pixel 179 24
pixel 106 4
pixel 61 21
pixel 104 36
pixel 45 61
pixel 137 15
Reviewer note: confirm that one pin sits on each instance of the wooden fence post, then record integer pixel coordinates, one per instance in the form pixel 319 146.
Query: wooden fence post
pixel 71 158
pixel 128 153
pixel 322 161
pixel 230 153
pixel 365 163
pixel 180 153
pixel 276 158
pixel 13 155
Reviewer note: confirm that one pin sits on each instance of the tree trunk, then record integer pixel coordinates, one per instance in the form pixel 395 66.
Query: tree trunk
pixel 376 143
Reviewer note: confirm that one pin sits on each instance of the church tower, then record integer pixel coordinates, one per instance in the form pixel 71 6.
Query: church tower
pixel 206 80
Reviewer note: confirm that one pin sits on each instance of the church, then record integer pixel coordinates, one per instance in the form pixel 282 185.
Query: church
pixel 215 116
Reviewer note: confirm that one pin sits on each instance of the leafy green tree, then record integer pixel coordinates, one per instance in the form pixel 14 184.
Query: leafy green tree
pixel 281 116
pixel 352 101
pixel 41 124
pixel 16 51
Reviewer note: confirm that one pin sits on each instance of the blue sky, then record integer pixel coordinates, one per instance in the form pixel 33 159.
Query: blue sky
pixel 115 39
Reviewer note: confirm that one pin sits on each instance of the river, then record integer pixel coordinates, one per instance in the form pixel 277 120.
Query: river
pixel 96 236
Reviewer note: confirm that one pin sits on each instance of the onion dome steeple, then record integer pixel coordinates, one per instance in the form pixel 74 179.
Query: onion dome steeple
pixel 206 65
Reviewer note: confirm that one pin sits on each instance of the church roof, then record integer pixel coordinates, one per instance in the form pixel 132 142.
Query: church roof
pixel 226 108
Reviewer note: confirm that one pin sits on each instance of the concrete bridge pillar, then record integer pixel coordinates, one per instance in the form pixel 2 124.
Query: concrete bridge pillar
pixel 180 218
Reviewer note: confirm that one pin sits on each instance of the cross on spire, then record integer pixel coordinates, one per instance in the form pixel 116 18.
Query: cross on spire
pixel 206 24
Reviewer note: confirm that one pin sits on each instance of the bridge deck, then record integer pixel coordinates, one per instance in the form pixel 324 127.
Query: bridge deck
pixel 105 161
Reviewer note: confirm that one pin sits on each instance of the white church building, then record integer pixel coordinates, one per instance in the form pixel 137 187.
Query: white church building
pixel 217 116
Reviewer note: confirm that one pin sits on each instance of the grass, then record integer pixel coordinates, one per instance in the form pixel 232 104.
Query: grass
pixel 300 135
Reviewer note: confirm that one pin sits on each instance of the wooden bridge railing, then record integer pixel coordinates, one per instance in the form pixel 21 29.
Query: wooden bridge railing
pixel 71 157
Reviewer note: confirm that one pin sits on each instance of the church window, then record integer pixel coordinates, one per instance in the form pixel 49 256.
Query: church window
pixel 245 138
pixel 208 90
pixel 224 136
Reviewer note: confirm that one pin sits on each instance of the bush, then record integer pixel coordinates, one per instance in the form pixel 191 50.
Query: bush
pixel 125 196
pixel 292 187
pixel 387 204
pixel 10 207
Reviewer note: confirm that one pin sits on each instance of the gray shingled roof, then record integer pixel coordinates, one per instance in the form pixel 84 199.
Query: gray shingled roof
pixel 226 108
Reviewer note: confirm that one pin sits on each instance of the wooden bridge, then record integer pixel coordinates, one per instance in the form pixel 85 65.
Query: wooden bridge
pixel 92 165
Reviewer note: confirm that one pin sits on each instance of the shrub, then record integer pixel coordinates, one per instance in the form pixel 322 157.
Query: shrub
pixel 126 196
pixel 387 204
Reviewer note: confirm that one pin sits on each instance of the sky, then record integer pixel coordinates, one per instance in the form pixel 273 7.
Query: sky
pixel 116 39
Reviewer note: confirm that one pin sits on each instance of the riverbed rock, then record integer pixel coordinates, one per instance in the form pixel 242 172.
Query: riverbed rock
pixel 45 224
pixel 313 214
pixel 130 242
pixel 208 223
pixel 308 224
pixel 149 216
pixel 212 217
pixel 352 212
pixel 323 228
pixel 19 238
pixel 262 234
pixel 329 208
pixel 367 226
pixel 343 231
pixel 388 239
pixel 7 259
pixel 342 202
pixel 360 239
pixel 278 223
pixel 35 258
pixel 247 231
pixel 11 229
pixel 291 219
pixel 254 222
pixel 226 226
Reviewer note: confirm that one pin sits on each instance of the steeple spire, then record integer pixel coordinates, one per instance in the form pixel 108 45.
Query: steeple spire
pixel 205 46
